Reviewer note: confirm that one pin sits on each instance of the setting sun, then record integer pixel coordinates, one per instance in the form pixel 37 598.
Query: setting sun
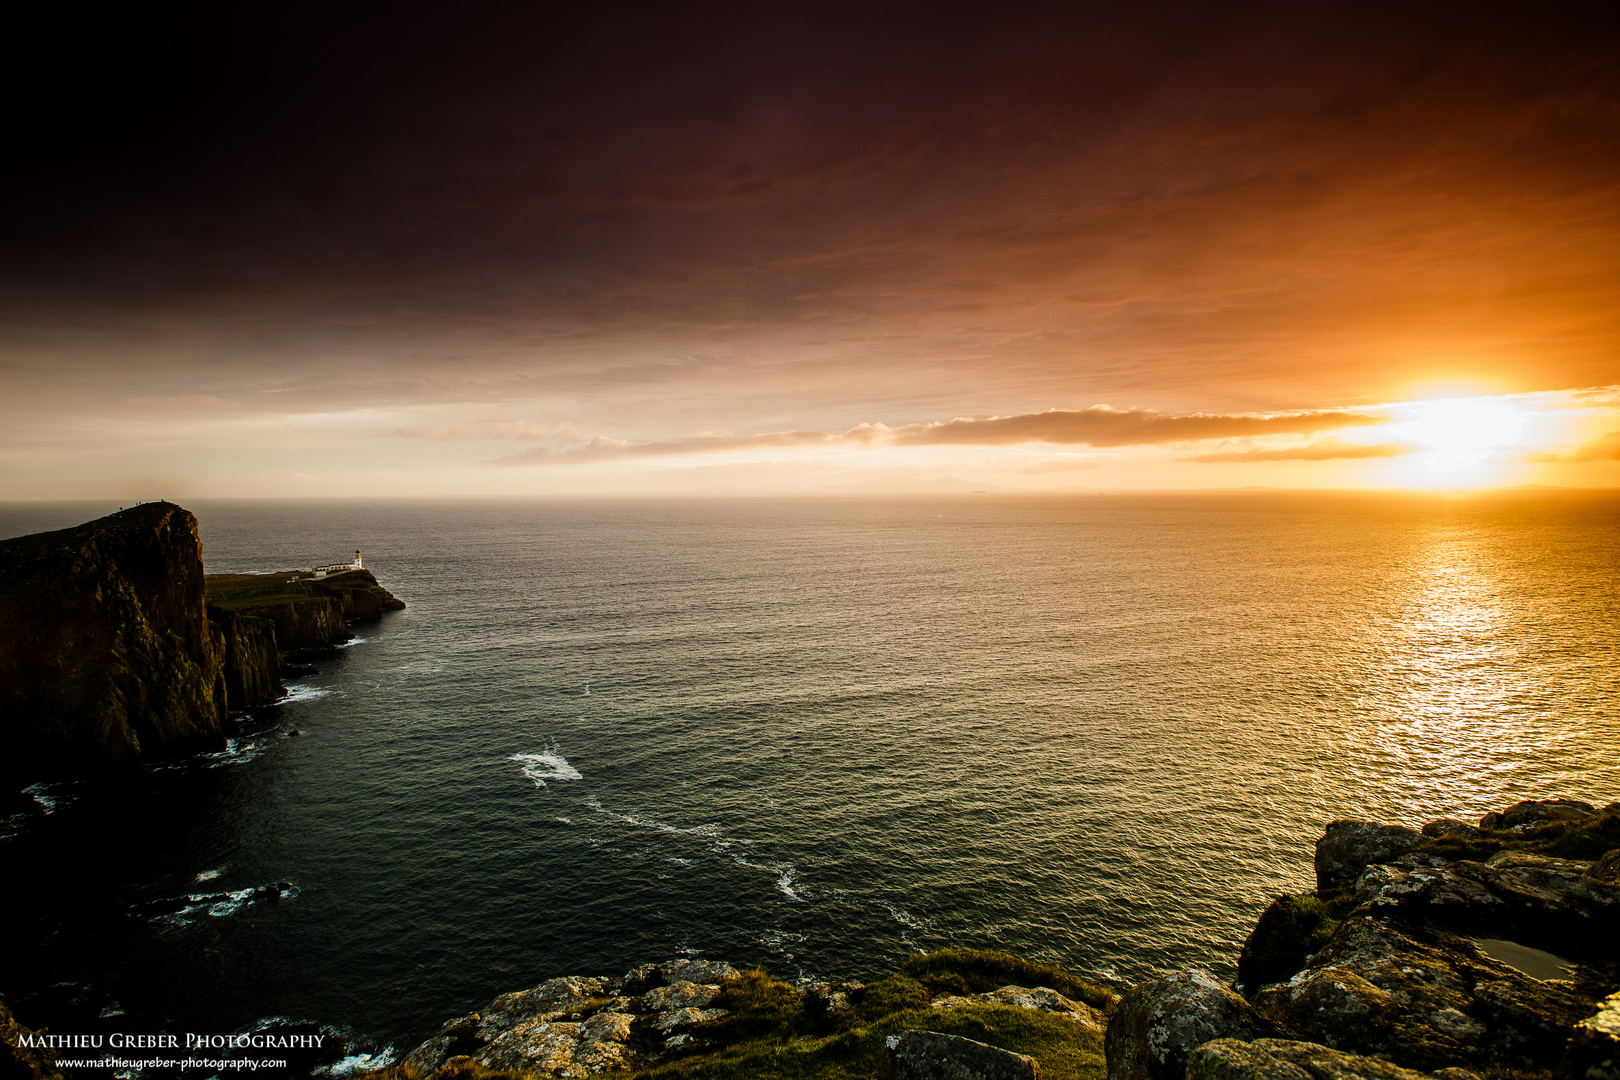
pixel 1458 432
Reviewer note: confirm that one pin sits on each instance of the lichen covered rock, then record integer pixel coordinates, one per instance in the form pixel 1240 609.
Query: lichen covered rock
pixel 577 1026
pixel 930 1055
pixel 1283 1059
pixel 1037 999
pixel 1157 1024
pixel 1349 847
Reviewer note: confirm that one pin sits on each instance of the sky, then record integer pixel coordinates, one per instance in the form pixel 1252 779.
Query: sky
pixel 664 249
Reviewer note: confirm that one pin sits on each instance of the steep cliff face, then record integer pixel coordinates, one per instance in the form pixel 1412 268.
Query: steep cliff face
pixel 106 655
pixel 308 622
pixel 252 660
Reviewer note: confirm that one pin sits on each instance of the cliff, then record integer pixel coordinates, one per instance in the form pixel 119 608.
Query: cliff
pixel 116 649
pixel 264 616
pixel 106 655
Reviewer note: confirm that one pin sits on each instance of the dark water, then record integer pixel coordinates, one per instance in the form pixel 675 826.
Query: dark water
pixel 818 735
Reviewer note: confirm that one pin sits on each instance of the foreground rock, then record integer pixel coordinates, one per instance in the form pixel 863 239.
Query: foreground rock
pixel 1594 1051
pixel 575 1026
pixel 929 1055
pixel 106 656
pixel 1282 1059
pixel 1455 949
pixel 1038 999
pixel 1157 1025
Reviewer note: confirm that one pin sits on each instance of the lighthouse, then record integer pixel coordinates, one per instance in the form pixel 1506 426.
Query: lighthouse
pixel 357 560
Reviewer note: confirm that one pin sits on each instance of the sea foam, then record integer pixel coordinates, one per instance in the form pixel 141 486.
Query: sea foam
pixel 546 766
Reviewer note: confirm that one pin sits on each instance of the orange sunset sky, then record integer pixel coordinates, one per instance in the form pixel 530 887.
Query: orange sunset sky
pixel 667 249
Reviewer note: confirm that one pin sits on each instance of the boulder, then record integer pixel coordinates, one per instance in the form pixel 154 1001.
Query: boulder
pixel 929 1055
pixel 1452 828
pixel 1593 1052
pixel 679 995
pixel 562 1048
pixel 827 999
pixel 1157 1024
pixel 1283 1059
pixel 1349 847
pixel 1537 812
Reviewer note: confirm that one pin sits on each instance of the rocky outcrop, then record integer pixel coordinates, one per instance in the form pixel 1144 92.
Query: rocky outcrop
pixel 929 1055
pixel 1282 1059
pixel 106 655
pixel 1424 999
pixel 1453 950
pixel 1538 812
pixel 578 1025
pixel 1158 1024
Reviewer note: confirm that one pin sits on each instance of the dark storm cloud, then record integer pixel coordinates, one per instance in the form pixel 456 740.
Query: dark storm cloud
pixel 910 210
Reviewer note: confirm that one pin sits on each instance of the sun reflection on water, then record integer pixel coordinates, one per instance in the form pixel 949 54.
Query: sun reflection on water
pixel 1451 714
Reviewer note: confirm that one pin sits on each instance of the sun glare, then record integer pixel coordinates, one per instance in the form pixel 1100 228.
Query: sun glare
pixel 1459 432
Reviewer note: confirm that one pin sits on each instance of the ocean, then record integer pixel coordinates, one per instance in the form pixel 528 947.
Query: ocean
pixel 813 735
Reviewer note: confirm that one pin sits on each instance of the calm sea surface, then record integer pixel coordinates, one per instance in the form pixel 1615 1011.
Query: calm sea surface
pixel 815 735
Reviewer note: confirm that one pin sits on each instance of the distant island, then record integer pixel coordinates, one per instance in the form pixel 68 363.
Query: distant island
pixel 116 649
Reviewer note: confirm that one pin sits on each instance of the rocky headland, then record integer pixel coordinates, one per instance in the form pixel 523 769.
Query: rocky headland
pixel 116 649
pixel 1452 952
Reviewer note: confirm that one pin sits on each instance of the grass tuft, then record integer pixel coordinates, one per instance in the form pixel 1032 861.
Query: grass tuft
pixel 976 971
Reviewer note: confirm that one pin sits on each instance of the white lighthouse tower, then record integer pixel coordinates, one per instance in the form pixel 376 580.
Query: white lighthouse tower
pixel 356 564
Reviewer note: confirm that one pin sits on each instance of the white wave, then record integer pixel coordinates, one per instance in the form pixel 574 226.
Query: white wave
pixel 904 917
pixel 236 752
pixel 217 905
pixel 547 766
pixel 302 693
pixel 721 845
pixel 46 802
pixel 784 872
pixel 356 1064
pixel 566 820
pixel 648 823
pixel 210 875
